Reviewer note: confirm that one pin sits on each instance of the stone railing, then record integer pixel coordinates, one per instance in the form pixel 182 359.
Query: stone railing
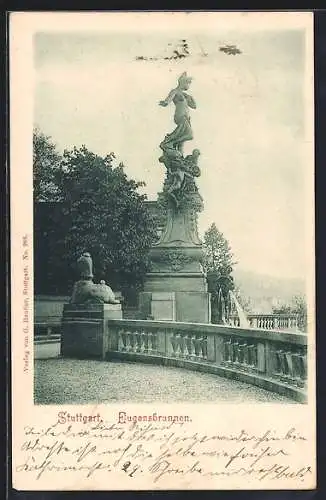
pixel 273 360
pixel 269 321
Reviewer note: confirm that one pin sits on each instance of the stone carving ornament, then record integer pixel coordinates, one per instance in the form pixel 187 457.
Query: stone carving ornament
pixel 174 260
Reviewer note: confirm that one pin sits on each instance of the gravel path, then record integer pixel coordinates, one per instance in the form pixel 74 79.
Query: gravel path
pixel 66 381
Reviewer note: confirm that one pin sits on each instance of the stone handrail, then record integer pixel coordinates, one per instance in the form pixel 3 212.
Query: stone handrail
pixel 272 359
pixel 269 321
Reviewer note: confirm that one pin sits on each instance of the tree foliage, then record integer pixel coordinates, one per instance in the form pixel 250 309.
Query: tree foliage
pixel 218 265
pixel 46 162
pixel 218 261
pixel 100 212
pixel 297 306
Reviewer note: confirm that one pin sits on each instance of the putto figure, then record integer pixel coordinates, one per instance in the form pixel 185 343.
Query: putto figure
pixel 182 102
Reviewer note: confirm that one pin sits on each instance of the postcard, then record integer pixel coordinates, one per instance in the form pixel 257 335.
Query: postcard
pixel 162 243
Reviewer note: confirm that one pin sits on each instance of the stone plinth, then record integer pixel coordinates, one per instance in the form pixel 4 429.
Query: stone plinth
pixel 84 329
pixel 188 306
pixel 176 264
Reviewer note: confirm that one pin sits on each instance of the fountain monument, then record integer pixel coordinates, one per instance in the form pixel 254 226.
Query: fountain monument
pixel 176 288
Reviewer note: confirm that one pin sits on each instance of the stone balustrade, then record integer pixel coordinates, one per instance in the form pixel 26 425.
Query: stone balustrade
pixel 273 360
pixel 269 321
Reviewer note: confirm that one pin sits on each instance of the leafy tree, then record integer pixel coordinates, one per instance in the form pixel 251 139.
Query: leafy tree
pixel 297 306
pixel 218 264
pixel 100 212
pixel 218 260
pixel 46 161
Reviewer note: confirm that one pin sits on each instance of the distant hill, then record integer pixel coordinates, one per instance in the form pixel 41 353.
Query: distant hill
pixel 264 291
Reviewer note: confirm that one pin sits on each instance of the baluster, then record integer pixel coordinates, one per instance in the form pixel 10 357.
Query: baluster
pixel 197 342
pixel 236 353
pixel 283 364
pixel 296 369
pixel 182 345
pixel 245 356
pixel 193 347
pixel 128 340
pixel 142 336
pixel 177 345
pixel 231 352
pixel 240 354
pixel 204 346
pixel 278 369
pixel 150 348
pixel 227 351
pixel 189 347
pixel 273 362
pixel 241 348
pixel 173 340
pixel 123 337
pixel 252 352
pixel 303 367
pixel 145 340
pixel 154 342
pixel 290 373
pixel 138 341
pixel 132 342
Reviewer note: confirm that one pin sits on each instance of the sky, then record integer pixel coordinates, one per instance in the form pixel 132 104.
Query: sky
pixel 249 124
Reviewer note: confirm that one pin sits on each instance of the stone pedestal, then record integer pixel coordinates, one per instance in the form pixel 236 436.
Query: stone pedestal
pixel 175 265
pixel 84 329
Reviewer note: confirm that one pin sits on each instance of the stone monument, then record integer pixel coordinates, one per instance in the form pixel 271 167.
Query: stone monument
pixel 84 328
pixel 175 288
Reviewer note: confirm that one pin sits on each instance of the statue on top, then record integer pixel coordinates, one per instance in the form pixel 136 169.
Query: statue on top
pixel 182 102
pixel 181 170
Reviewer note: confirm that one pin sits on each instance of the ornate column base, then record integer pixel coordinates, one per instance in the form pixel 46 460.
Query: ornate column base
pixel 176 268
